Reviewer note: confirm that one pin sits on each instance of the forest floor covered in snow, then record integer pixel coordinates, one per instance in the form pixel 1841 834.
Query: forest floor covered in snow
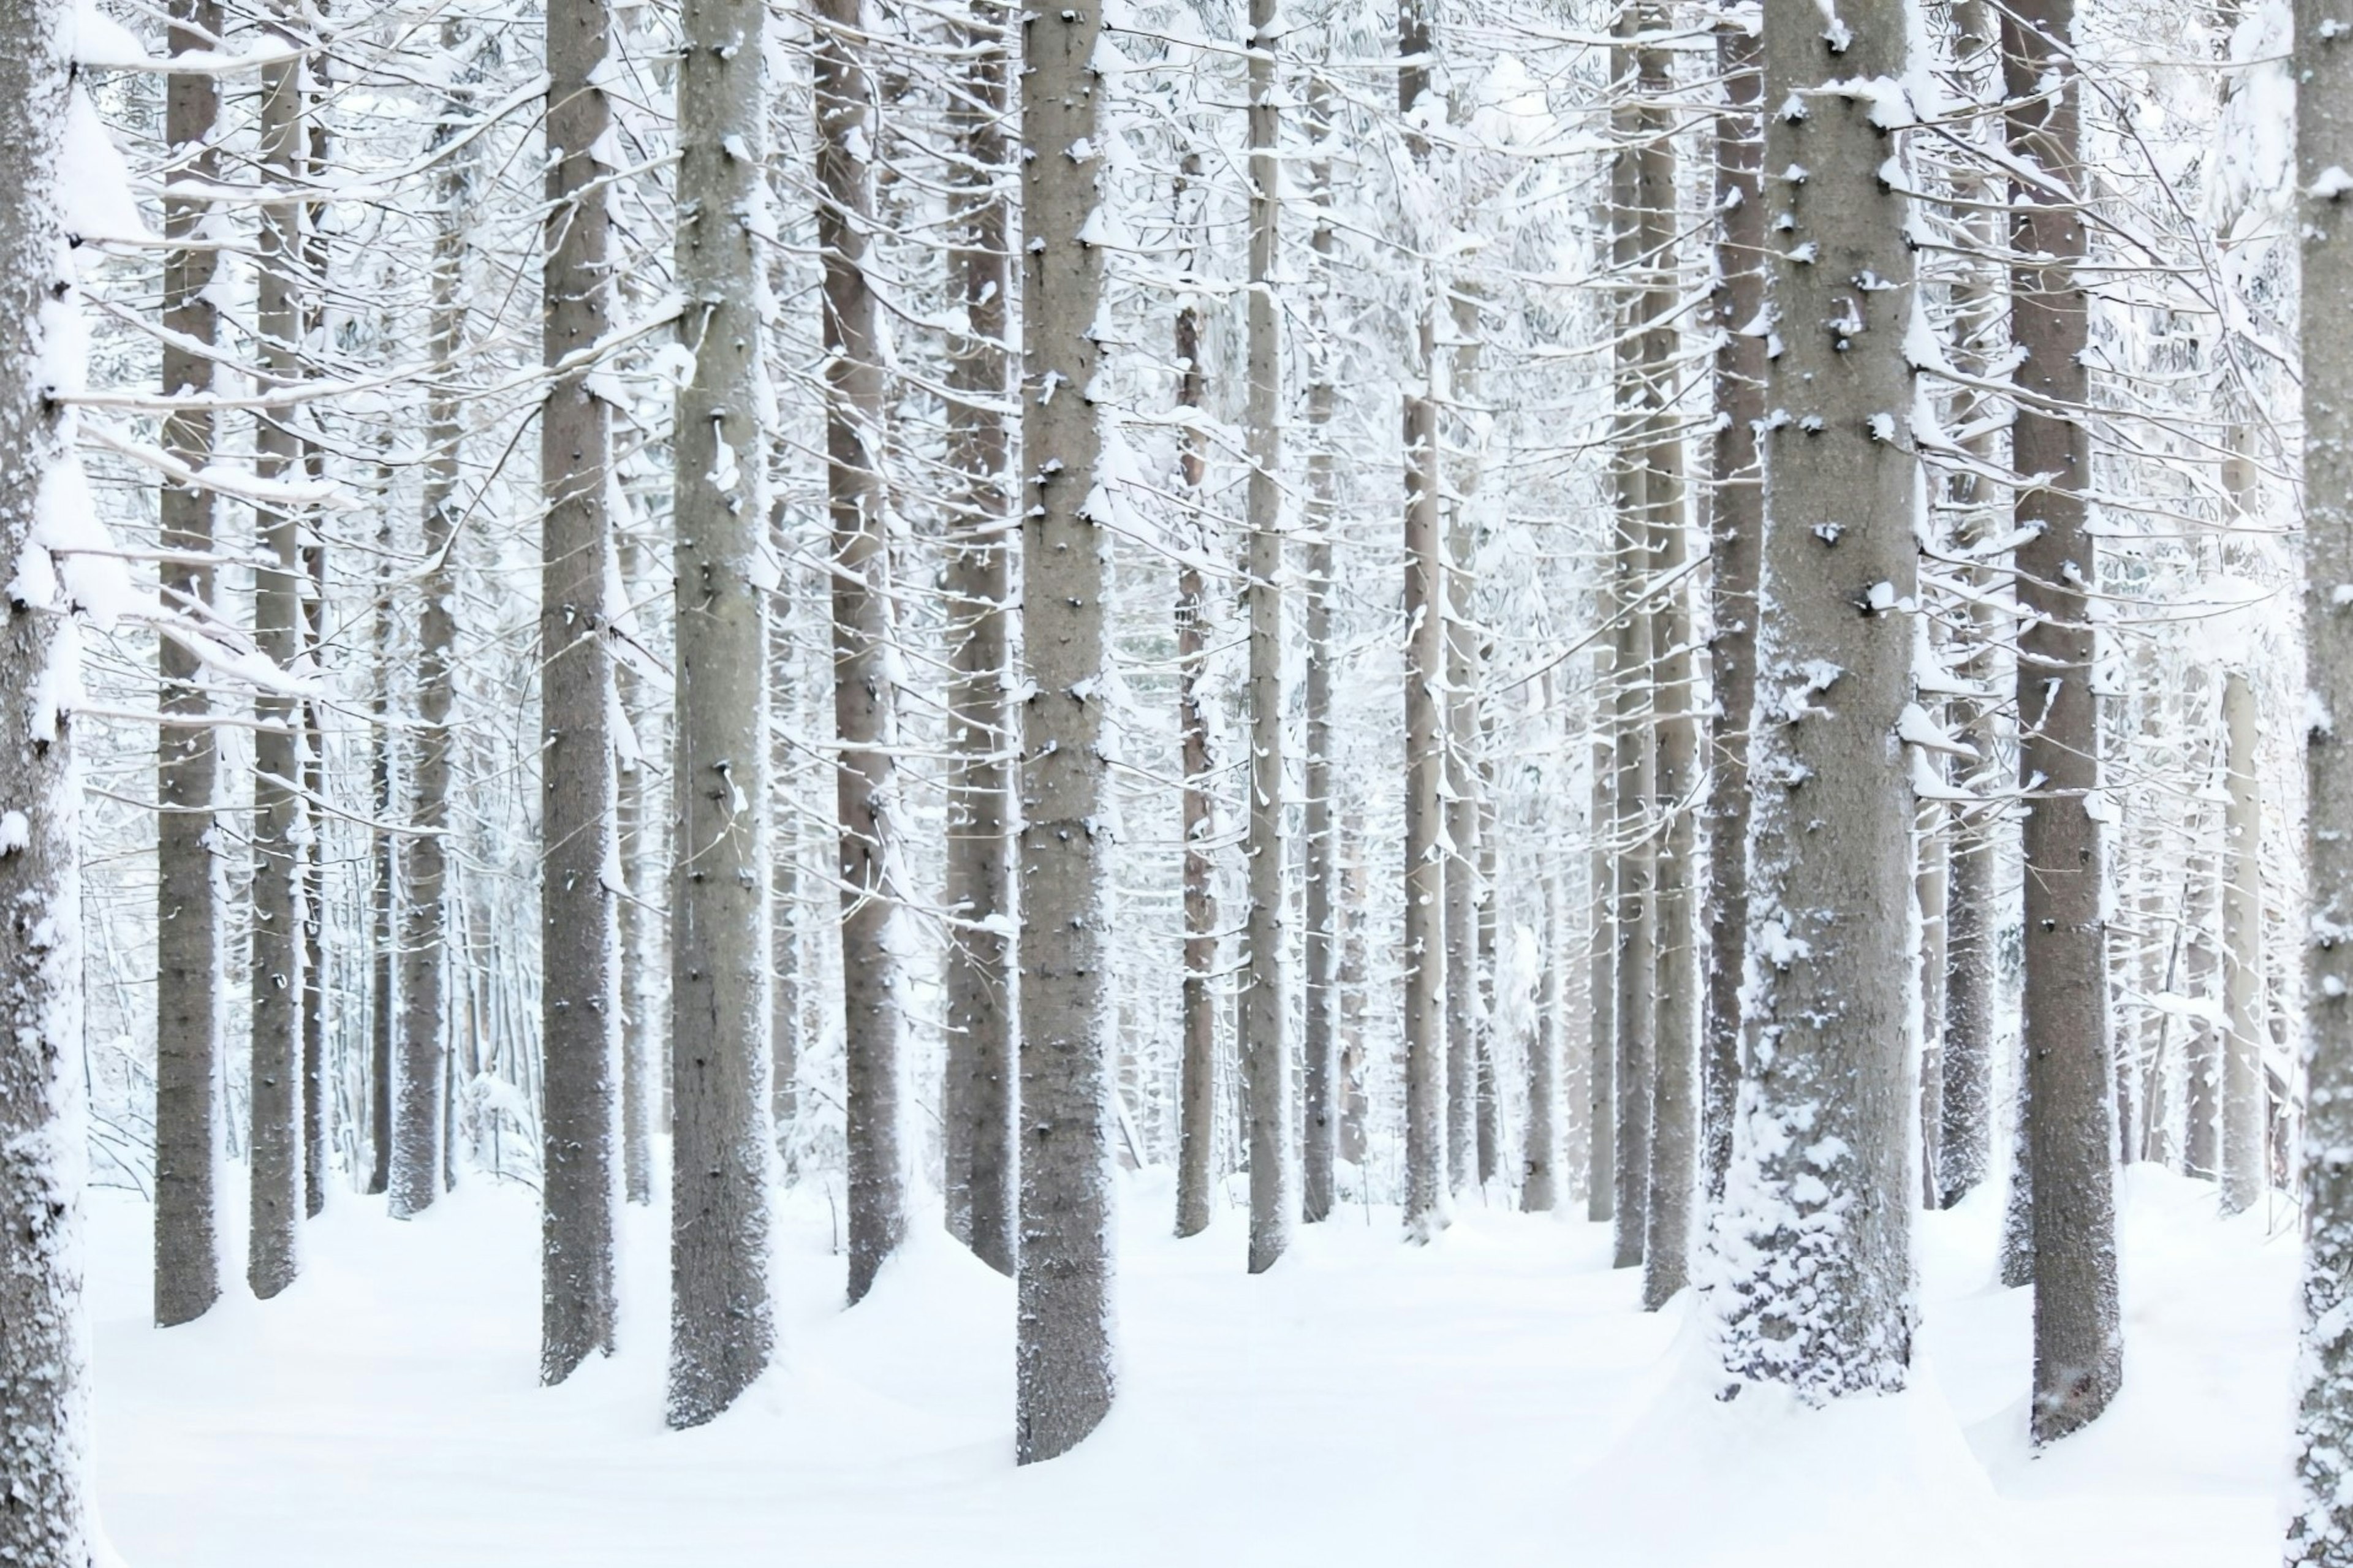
pixel 1494 1399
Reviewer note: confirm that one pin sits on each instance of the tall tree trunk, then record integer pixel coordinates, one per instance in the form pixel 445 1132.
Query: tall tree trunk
pixel 1541 1189
pixel 865 701
pixel 419 1124
pixel 1197 1149
pixel 2202 1049
pixel 1930 887
pixel 2245 1173
pixel 1427 1187
pixel 1674 1081
pixel 1488 915
pixel 981 1002
pixel 1601 926
pixel 274 1150
pixel 187 892
pixel 1635 921
pixel 1815 1231
pixel 720 1327
pixel 580 998
pixel 1458 718
pixel 1064 1344
pixel 2320 1531
pixel 1266 1014
pixel 317 1092
pixel 43 1366
pixel 2078 1351
pixel 1321 1081
pixel 1736 527
pixel 383 895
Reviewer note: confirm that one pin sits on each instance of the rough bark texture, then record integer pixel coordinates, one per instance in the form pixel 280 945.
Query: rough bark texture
pixel 384 961
pixel 1197 1149
pixel 979 983
pixel 580 1094
pixel 317 1088
pixel 1737 526
pixel 1063 1361
pixel 722 1153
pixel 187 894
pixel 274 1147
pixel 1675 1014
pixel 1813 1241
pixel 43 1435
pixel 2069 1107
pixel 1635 761
pixel 421 1055
pixel 2245 1173
pixel 865 699
pixel 1266 1010
pixel 1601 944
pixel 1458 718
pixel 2320 1530
pixel 1321 1084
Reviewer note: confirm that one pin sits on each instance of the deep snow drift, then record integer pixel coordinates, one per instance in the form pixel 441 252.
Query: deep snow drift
pixel 1495 1398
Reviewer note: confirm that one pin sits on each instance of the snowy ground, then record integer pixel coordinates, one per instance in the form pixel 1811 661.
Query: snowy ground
pixel 1496 1398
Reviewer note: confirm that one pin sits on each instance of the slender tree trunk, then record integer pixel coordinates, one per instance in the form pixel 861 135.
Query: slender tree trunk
pixel 1675 1028
pixel 274 1157
pixel 981 1002
pixel 1355 1107
pixel 865 699
pixel 1196 1151
pixel 1814 1235
pixel 724 1152
pixel 1930 885
pixel 2078 1351
pixel 420 1125
pixel 580 1000
pixel 1736 524
pixel 1540 1169
pixel 1488 913
pixel 2245 1173
pixel 2320 1531
pixel 317 1089
pixel 187 894
pixel 44 1378
pixel 1601 940
pixel 1323 1083
pixel 1458 717
pixel 1063 1340
pixel 1266 1014
pixel 1635 921
pixel 2201 1154
pixel 383 893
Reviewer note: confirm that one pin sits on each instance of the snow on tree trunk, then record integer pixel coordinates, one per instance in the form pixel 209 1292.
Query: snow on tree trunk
pixel 1196 1154
pixel 1266 1002
pixel 384 962
pixel 1322 1084
pixel 722 1152
pixel 419 1134
pixel 2245 1169
pixel 43 1355
pixel 1063 1352
pixel 1601 939
pixel 1930 887
pixel 865 698
pixel 187 894
pixel 1458 718
pixel 2320 1531
pixel 274 1148
pixel 979 999
pixel 1676 1012
pixel 1811 1279
pixel 2069 1104
pixel 580 872
pixel 1737 526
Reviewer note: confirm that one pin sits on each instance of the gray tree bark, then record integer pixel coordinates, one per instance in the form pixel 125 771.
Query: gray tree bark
pixel 1737 528
pixel 2245 1169
pixel 1063 1362
pixel 1323 1086
pixel 1930 886
pixel 580 993
pixel 1197 1149
pixel 2320 1531
pixel 723 1156
pixel 1427 1186
pixel 44 1443
pixel 187 893
pixel 1458 718
pixel 2070 1106
pixel 1266 1012
pixel 1601 939
pixel 979 987
pixel 1675 1014
pixel 419 1135
pixel 274 1148
pixel 1814 1235
pixel 317 1092
pixel 384 961
pixel 865 701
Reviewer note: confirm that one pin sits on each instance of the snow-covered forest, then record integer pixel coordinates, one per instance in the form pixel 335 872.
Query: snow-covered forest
pixel 1179 781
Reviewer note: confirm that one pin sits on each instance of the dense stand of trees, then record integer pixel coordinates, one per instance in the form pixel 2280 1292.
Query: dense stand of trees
pixel 1672 611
